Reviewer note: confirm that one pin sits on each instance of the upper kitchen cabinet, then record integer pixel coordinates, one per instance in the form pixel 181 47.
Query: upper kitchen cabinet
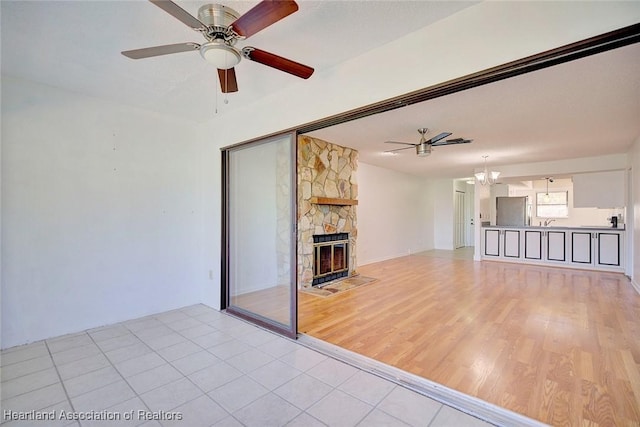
pixel 599 190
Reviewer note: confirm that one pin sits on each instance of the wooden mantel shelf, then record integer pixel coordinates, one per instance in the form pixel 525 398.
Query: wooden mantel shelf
pixel 332 201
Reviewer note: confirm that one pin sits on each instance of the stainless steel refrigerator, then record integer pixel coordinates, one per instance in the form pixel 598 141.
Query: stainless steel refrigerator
pixel 512 211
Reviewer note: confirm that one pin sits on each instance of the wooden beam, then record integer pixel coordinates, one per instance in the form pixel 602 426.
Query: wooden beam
pixel 332 201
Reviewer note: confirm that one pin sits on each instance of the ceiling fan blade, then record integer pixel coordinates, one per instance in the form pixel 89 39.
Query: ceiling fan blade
pixel 452 142
pixel 228 81
pixel 167 49
pixel 262 15
pixel 278 62
pixel 398 149
pixel 398 142
pixel 438 137
pixel 180 14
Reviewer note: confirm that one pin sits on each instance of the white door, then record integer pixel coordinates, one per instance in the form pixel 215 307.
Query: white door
pixel 459 221
pixel 470 215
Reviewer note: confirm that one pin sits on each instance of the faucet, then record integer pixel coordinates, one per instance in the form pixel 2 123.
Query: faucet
pixel 548 221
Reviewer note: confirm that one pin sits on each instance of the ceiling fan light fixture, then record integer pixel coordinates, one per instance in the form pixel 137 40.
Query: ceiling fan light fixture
pixel 220 54
pixel 423 149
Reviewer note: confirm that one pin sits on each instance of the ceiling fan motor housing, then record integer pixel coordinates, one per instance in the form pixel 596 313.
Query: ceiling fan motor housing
pixel 423 149
pixel 217 16
pixel 219 50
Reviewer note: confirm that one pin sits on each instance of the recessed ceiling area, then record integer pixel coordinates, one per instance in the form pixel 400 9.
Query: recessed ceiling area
pixel 583 108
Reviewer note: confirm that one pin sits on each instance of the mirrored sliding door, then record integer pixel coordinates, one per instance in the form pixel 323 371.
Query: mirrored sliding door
pixel 259 221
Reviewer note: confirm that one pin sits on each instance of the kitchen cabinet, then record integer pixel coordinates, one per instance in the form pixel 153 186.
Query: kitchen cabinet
pixel 595 249
pixel 599 190
pixel 511 243
pixel 491 246
pixel 581 247
pixel 608 249
pixel 599 249
pixel 545 245
pixel 501 243
pixel 556 246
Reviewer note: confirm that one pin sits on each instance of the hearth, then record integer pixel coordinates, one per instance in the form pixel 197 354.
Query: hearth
pixel 330 257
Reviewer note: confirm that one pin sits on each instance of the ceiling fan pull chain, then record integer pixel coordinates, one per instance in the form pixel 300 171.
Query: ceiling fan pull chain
pixel 215 87
pixel 226 81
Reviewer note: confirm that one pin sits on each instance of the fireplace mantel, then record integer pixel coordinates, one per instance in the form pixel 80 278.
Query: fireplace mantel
pixel 332 201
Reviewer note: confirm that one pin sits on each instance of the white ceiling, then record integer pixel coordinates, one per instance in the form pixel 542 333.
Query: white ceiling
pixel 585 108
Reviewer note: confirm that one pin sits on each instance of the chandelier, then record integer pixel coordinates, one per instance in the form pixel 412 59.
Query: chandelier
pixel 487 177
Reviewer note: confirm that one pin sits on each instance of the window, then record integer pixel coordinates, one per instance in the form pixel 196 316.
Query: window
pixel 553 204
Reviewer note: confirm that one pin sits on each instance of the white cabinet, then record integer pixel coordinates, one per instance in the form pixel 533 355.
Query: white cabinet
pixel 511 243
pixel 556 246
pixel 599 190
pixel 491 247
pixel 608 249
pixel 501 243
pixel 545 245
pixel 597 249
pixel 533 244
pixel 581 247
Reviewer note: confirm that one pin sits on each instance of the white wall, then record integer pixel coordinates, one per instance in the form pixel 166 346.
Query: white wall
pixel 634 162
pixel 577 216
pixel 100 213
pixel 564 167
pixel 395 214
pixel 443 216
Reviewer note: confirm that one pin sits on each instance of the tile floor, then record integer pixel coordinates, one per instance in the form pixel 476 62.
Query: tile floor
pixel 198 367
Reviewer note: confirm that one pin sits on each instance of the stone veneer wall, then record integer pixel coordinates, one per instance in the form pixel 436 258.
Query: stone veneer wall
pixel 324 170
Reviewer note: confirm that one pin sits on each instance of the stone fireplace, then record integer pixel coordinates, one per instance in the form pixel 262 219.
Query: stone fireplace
pixel 327 227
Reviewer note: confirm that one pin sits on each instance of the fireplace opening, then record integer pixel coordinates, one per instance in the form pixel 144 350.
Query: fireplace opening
pixel 330 257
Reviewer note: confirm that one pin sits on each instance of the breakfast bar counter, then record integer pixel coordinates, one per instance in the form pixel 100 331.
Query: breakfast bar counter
pixel 588 247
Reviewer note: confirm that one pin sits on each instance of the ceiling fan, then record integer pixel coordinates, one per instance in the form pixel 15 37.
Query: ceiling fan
pixel 423 148
pixel 222 27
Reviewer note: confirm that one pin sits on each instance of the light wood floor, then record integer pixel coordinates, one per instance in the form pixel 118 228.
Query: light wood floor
pixel 272 303
pixel 558 345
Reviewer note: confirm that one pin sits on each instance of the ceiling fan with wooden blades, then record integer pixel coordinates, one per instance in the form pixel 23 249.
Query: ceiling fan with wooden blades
pixel 424 147
pixel 223 27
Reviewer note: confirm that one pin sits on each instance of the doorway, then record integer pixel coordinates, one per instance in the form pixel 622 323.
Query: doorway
pixel 459 222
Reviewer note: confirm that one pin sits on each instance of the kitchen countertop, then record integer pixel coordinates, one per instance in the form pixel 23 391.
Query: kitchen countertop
pixel 540 227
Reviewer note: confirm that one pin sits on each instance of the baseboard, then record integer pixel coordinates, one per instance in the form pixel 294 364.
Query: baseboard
pixel 635 285
pixel 473 406
pixel 386 258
